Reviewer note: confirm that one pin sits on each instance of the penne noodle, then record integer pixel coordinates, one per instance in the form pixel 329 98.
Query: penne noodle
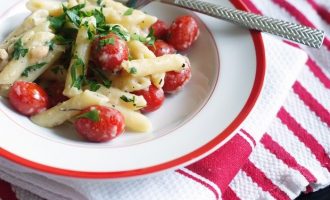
pixel 124 99
pixel 165 63
pixel 57 115
pixel 13 70
pixel 79 61
pixel 48 61
pixel 36 18
pixel 129 83
pixel 134 121
pixel 140 51
pixel 54 8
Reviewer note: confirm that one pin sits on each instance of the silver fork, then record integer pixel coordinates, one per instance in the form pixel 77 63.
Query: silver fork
pixel 288 30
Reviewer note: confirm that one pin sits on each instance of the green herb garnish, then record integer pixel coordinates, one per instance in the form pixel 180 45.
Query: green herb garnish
pixel 132 70
pixel 57 23
pixel 128 12
pixel 93 115
pixel 127 100
pixel 32 68
pixel 94 86
pixel 104 42
pixel 74 14
pixel 19 50
pixel 151 37
pixel 77 73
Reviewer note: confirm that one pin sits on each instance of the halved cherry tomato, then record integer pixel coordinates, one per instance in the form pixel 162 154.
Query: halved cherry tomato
pixel 28 98
pixel 161 48
pixel 174 81
pixel 109 52
pixel 183 32
pixel 160 29
pixel 154 97
pixel 100 123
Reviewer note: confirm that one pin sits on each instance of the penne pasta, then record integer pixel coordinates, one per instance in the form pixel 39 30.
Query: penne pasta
pixel 124 99
pixel 135 22
pixel 165 63
pixel 129 83
pixel 34 71
pixel 30 41
pixel 57 115
pixel 140 51
pixel 134 121
pixel 54 8
pixel 97 50
pixel 79 61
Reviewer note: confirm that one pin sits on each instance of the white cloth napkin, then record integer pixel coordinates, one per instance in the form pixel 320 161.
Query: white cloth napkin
pixel 283 65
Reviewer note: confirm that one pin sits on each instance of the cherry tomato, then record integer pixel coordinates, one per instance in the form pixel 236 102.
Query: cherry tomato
pixel 160 29
pixel 100 123
pixel 161 48
pixel 154 97
pixel 183 32
pixel 109 52
pixel 28 98
pixel 55 93
pixel 174 81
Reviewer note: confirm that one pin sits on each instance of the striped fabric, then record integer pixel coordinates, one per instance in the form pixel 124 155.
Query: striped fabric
pixel 293 155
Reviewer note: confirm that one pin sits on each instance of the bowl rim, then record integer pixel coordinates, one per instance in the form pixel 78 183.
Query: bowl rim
pixel 198 153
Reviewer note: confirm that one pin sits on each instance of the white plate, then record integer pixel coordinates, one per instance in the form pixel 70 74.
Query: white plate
pixel 228 66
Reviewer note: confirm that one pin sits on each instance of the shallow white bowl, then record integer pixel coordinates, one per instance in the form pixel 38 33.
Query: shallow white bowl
pixel 228 68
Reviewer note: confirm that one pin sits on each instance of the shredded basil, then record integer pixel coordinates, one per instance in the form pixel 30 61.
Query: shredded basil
pixel 107 41
pixel 127 100
pixel 132 70
pixel 57 23
pixel 128 12
pixel 19 50
pixel 77 73
pixel 94 86
pixel 74 14
pixel 93 115
pixel 32 68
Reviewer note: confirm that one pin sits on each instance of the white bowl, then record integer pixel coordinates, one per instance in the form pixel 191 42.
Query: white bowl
pixel 228 68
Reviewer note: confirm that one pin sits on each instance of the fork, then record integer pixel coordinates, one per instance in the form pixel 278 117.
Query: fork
pixel 288 30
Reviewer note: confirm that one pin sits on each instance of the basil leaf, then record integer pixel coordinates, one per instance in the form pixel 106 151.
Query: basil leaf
pixel 100 18
pixel 57 23
pixel 93 115
pixel 128 12
pixel 74 14
pixel 151 37
pixel 104 42
pixel 77 73
pixel 127 100
pixel 32 68
pixel 133 70
pixel 94 86
pixel 19 50
pixel 116 29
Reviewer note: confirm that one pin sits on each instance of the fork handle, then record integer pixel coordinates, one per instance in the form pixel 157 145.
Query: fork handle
pixel 291 31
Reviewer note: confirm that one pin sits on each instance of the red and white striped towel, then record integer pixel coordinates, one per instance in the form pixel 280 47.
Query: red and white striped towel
pixel 277 154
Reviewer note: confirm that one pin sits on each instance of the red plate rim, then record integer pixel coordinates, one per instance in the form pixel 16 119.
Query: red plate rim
pixel 256 89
